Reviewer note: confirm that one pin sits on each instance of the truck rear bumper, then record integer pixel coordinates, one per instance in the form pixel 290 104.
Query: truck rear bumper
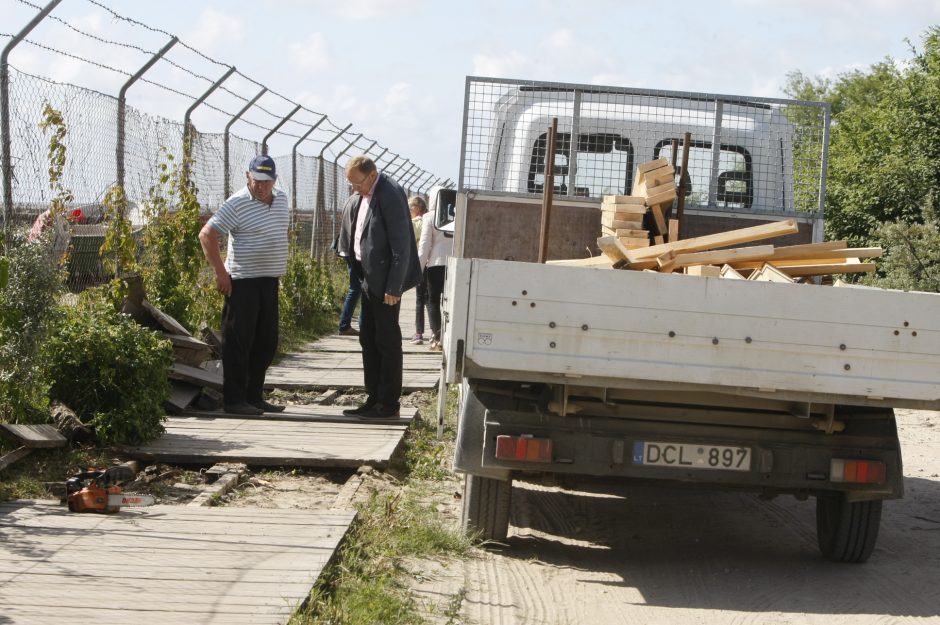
pixel 792 462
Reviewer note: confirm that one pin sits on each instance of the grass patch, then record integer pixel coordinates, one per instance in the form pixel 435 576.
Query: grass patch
pixel 27 478
pixel 367 583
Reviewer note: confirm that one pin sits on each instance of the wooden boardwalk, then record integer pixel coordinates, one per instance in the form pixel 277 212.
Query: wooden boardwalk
pixel 163 565
pixel 302 436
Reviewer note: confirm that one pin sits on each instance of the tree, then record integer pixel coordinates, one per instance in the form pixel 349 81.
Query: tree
pixel 884 156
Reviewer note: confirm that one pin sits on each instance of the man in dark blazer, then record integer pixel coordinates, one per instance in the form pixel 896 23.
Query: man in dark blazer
pixel 378 237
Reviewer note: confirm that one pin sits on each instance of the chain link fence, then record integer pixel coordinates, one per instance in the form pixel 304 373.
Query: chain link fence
pixel 759 155
pixel 107 142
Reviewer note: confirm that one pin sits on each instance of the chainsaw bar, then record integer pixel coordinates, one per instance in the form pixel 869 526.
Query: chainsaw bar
pixel 130 500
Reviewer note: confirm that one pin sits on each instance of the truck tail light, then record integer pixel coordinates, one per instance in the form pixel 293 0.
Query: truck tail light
pixel 526 448
pixel 857 471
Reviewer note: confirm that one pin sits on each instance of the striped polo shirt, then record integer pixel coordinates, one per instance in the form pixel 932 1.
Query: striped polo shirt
pixel 257 245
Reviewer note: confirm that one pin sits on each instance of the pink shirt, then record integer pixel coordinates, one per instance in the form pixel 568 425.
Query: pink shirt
pixel 361 219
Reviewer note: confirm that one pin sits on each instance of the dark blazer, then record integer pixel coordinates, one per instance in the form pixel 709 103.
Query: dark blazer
pixel 389 252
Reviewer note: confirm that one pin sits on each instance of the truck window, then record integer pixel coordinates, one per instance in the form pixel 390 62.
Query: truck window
pixel 603 167
pixel 735 173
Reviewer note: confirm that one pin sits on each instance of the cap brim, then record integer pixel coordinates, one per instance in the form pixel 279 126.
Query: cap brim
pixel 259 176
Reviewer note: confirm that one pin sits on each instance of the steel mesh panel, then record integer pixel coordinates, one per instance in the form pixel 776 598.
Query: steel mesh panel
pixel 760 155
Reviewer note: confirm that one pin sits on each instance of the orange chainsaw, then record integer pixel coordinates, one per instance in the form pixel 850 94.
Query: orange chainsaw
pixel 99 490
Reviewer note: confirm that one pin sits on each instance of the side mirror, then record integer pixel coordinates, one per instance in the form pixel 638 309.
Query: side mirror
pixel 446 209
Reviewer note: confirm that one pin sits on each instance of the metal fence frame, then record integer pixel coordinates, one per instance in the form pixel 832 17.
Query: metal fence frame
pixel 315 184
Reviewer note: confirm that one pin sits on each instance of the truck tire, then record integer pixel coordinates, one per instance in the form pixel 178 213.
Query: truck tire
pixel 847 531
pixel 486 507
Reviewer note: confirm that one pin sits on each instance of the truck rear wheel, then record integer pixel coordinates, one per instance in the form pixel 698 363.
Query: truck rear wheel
pixel 847 531
pixel 486 507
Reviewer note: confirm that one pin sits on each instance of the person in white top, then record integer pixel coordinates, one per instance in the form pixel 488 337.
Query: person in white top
pixel 433 250
pixel 418 208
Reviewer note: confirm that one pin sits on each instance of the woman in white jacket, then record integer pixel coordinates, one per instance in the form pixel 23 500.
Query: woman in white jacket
pixel 433 250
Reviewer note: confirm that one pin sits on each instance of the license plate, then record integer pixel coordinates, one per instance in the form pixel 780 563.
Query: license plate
pixel 691 456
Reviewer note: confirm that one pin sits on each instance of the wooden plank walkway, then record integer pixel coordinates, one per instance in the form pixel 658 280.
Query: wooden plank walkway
pixel 302 436
pixel 161 565
pixel 321 371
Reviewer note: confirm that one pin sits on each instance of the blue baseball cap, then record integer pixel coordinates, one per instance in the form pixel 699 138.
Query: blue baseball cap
pixel 261 167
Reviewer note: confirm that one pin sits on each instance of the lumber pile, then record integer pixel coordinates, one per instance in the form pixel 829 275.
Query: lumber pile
pixel 637 235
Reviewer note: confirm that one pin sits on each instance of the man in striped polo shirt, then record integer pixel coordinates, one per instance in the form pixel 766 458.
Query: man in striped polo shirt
pixel 256 220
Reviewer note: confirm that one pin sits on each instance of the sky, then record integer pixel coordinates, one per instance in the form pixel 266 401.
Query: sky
pixel 396 69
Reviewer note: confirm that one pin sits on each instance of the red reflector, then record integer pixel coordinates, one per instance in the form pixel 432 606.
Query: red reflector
pixel 525 448
pixel 857 471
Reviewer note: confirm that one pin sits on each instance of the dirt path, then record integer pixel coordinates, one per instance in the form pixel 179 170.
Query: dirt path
pixel 649 556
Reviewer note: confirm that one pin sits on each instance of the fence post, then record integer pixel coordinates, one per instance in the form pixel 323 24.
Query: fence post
pixel 264 142
pixel 321 198
pixel 226 166
pixel 293 161
pixel 381 154
pixel 392 174
pixel 122 108
pixel 343 151
pixel 366 151
pixel 188 126
pixel 409 176
pixel 426 185
pixel 5 117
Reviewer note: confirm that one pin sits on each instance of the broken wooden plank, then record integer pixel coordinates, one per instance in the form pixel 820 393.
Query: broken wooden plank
pixel 805 271
pixel 619 224
pixel 673 228
pixel 769 273
pixel 634 242
pixel 822 258
pixel 658 218
pixel 626 212
pixel 33 436
pixel 705 271
pixel 197 376
pixel 727 271
pixel 661 198
pixel 182 395
pixel 608 245
pixel 667 262
pixel 600 262
pixel 623 199
pixel 17 454
pixel 726 256
pixel 721 239
pixel 658 239
pixel 165 321
pixel 642 168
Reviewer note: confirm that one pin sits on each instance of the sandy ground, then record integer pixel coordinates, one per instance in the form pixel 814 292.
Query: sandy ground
pixel 649 556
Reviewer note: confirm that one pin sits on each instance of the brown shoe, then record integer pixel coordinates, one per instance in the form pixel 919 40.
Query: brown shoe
pixel 350 331
pixel 358 411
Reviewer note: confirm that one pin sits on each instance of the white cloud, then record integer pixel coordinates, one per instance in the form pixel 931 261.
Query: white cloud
pixel 217 30
pixel 312 53
pixel 358 10
pixel 509 65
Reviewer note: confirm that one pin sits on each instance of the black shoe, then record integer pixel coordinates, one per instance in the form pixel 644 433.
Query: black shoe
pixel 267 406
pixel 243 408
pixel 381 412
pixel 359 410
pixel 350 331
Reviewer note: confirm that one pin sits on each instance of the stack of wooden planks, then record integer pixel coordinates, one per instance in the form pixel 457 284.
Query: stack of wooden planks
pixel 622 218
pixel 627 244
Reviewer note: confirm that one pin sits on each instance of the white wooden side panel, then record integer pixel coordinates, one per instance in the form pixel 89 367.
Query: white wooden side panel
pixel 804 338
pixel 457 296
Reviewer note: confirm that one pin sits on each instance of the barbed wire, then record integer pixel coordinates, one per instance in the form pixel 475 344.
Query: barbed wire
pixel 329 124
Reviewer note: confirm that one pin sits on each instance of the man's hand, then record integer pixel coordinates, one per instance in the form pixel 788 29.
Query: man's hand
pixel 223 282
pixel 391 300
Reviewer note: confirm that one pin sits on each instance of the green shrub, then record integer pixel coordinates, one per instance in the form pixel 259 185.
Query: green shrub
pixel 308 297
pixel 111 372
pixel 30 280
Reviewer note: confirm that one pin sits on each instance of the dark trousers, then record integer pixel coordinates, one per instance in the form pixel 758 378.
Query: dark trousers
pixel 352 297
pixel 249 332
pixel 421 295
pixel 380 338
pixel 434 277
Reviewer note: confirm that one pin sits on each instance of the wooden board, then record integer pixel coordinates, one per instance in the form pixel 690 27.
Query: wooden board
pixel 721 239
pixel 311 413
pixel 350 344
pixel 165 321
pixel 196 375
pixel 182 394
pixel 597 262
pixel 300 440
pixel 302 377
pixel 161 565
pixel 33 436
